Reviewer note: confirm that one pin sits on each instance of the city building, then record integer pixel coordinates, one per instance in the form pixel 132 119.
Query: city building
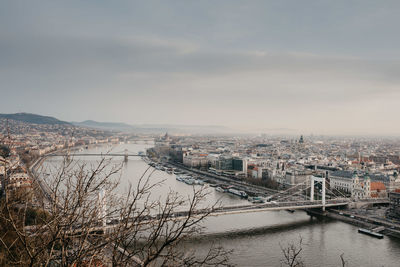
pixel 224 163
pixel 378 190
pixel 361 189
pixel 341 180
pixel 20 179
pixel 196 160
pixel 394 206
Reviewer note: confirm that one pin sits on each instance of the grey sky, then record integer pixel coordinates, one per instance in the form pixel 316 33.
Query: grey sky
pixel 316 66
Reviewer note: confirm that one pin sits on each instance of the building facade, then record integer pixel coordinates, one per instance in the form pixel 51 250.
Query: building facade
pixel 361 188
pixel 394 206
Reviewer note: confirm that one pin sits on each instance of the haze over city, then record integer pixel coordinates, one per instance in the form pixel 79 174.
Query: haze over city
pixel 257 66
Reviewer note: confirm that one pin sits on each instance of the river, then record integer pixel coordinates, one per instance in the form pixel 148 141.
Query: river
pixel 255 238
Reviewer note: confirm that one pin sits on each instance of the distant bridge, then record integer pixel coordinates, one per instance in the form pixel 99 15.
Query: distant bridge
pixel 124 154
pixel 150 139
pixel 94 154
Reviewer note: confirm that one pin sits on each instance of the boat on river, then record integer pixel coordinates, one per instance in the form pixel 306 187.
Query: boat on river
pixel 256 200
pixel 236 192
pixel 219 189
pixel 370 233
pixel 189 181
pixel 199 182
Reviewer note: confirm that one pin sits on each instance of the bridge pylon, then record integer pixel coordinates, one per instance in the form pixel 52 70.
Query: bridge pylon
pixel 322 181
pixel 126 155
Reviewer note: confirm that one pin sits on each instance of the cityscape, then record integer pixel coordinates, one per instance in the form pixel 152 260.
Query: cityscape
pixel 199 134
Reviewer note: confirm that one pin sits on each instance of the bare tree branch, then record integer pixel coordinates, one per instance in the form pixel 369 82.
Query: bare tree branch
pixel 139 230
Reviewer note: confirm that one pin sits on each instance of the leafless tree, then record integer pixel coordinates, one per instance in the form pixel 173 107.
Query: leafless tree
pixel 73 225
pixel 292 254
pixel 342 260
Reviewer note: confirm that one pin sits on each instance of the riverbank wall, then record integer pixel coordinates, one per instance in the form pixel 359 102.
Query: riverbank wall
pixel 339 215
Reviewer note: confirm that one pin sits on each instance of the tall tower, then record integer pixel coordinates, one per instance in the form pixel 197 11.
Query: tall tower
pixel 301 141
pixel 355 185
pixel 367 185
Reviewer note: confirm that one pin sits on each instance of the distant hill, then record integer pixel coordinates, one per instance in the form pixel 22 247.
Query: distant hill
pixel 119 126
pixel 32 118
pixel 104 125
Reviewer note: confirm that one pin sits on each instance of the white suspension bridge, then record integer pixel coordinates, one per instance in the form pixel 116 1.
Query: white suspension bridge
pixel 290 199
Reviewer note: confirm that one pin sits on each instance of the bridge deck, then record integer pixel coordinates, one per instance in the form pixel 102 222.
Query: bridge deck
pixel 293 205
pixel 238 209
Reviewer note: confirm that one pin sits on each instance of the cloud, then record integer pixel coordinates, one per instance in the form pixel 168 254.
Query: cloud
pixel 255 65
pixel 158 55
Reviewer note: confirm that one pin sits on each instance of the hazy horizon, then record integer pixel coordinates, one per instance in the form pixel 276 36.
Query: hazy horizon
pixel 310 66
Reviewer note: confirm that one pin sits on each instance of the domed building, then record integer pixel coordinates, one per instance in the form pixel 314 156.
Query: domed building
pixel 163 141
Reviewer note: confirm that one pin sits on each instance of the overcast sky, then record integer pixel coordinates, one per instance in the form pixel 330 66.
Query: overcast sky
pixel 329 67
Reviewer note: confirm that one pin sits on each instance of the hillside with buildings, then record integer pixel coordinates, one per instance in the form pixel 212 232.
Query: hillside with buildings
pixel 33 118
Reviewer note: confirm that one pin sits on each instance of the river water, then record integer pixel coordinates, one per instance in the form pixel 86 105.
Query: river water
pixel 255 238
